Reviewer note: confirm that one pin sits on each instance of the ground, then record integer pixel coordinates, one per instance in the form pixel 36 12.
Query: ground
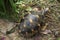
pixel 51 32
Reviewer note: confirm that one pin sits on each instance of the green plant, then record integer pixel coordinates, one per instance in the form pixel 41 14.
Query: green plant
pixel 8 10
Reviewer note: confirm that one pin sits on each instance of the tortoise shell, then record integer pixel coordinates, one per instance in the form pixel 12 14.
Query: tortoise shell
pixel 30 25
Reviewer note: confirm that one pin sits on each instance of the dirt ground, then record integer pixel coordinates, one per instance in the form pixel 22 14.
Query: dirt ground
pixel 52 31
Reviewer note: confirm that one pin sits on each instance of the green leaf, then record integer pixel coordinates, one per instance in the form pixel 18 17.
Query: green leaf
pixel 29 9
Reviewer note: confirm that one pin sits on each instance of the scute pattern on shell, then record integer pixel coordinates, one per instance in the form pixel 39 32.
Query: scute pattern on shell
pixel 30 25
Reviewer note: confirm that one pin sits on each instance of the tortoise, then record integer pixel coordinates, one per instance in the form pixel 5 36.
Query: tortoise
pixel 31 24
